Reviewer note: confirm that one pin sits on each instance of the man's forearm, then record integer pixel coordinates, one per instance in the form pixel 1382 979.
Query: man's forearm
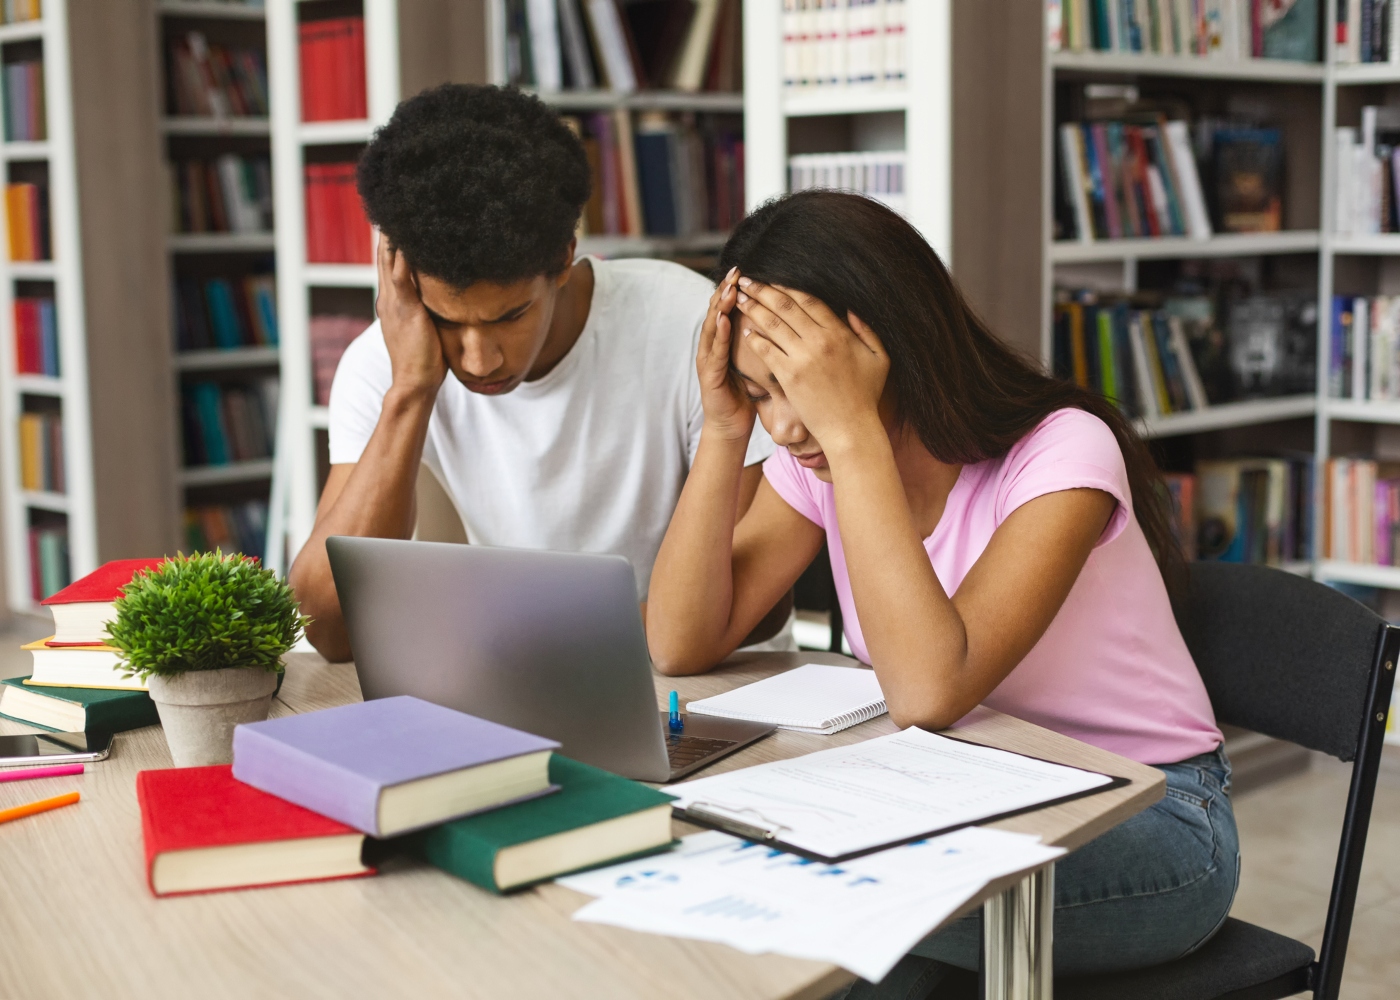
pixel 375 500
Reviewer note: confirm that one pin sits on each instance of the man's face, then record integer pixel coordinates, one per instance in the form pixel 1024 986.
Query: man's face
pixel 492 334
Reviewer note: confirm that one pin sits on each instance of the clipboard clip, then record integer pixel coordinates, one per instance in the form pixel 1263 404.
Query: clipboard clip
pixel 736 821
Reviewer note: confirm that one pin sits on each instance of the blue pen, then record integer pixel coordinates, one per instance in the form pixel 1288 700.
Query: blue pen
pixel 675 720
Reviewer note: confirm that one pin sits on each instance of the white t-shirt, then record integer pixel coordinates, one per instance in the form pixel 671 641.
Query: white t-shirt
pixel 589 458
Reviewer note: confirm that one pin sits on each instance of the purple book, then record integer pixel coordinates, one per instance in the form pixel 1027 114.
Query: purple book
pixel 339 761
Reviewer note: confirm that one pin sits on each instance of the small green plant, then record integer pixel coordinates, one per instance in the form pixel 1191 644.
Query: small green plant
pixel 205 612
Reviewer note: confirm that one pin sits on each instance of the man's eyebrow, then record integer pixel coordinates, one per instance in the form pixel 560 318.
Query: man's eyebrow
pixel 509 314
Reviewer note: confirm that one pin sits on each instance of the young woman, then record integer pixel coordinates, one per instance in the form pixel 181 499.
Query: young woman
pixel 997 537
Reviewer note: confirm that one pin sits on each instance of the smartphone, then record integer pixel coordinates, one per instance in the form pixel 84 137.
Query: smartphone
pixel 54 748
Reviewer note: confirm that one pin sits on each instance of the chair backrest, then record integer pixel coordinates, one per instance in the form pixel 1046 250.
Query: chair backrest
pixel 1281 654
pixel 1299 661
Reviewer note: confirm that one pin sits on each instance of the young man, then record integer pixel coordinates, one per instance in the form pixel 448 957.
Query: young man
pixel 573 408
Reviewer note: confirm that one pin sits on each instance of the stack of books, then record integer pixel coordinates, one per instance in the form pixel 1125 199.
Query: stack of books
pixel 1365 32
pixel 226 313
pixel 36 336
pixel 877 175
pixel 229 423
pixel 25 116
pixel 237 527
pixel 330 336
pixel 337 231
pixel 332 60
pixel 327 794
pixel 14 11
pixel 1365 347
pixel 210 80
pixel 232 194
pixel 41 452
pixel 27 209
pixel 1361 511
pixel 77 684
pixel 1368 171
pixel 1227 29
pixel 843 43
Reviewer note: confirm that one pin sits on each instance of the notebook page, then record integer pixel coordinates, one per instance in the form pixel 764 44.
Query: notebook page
pixel 813 698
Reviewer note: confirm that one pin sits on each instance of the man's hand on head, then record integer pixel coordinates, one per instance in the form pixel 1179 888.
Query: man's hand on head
pixel 415 352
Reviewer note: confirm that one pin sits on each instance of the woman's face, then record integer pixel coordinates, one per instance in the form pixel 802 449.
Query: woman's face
pixel 779 417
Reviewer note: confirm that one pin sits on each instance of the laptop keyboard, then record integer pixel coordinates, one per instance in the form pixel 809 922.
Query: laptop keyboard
pixel 685 750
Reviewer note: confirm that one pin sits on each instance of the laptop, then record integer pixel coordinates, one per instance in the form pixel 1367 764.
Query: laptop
pixel 548 642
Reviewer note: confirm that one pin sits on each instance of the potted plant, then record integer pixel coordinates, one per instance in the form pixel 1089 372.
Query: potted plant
pixel 207 633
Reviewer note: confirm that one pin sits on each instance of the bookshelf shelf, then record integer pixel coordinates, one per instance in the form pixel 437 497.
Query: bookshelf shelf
pixel 25 150
pixel 198 126
pixel 234 472
pixel 56 502
pixel 340 275
pixel 33 270
pixel 334 133
pixel 1372 245
pixel 221 242
pixel 642 100
pixel 39 385
pixel 1363 411
pixel 221 360
pixel 1366 73
pixel 1240 414
pixel 844 101
pixel 651 246
pixel 212 9
pixel 21 31
pixel 1362 574
pixel 1171 247
pixel 320 417
pixel 1202 67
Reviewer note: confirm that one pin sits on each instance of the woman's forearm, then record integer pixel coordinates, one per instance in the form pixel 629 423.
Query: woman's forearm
pixel 915 637
pixel 691 597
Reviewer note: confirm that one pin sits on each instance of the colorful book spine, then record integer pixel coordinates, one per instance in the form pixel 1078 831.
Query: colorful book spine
pixel 41 452
pixel 332 59
pixel 229 527
pixel 337 231
pixel 228 423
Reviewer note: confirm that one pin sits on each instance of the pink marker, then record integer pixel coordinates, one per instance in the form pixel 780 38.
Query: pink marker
pixel 25 773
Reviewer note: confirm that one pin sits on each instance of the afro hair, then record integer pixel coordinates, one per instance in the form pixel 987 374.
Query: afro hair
pixel 476 183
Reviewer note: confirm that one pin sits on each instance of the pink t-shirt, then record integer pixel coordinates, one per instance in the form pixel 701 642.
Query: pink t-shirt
pixel 1112 668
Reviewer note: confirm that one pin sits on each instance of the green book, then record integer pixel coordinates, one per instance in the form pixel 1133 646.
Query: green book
pixel 74 709
pixel 594 819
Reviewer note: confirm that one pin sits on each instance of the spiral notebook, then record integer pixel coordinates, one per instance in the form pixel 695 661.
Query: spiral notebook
pixel 815 698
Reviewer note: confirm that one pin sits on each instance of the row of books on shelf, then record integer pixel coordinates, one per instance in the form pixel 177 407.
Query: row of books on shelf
pixel 1230 29
pixel 1120 179
pixel 213 80
pixel 41 452
pixel 36 336
pixel 27 218
pixel 337 231
pixel 225 313
pixel 239 527
pixel 878 175
pixel 623 46
pixel 26 117
pixel 1156 357
pixel 1252 510
pixel 14 11
pixel 330 335
pixel 226 423
pixel 844 43
pixel 1365 32
pixel 667 175
pixel 230 194
pixel 331 57
pixel 1361 511
pixel 1364 347
pixel 48 559
pixel 1368 172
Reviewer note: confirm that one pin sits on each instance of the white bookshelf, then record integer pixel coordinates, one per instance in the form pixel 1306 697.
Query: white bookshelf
pixel 925 103
pixel 65 271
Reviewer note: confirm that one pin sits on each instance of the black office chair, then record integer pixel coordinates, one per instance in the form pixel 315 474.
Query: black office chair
pixel 1296 660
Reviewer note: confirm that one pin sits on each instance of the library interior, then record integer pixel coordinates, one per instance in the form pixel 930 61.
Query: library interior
pixel 719 499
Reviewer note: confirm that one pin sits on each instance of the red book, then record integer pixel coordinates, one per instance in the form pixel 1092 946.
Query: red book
pixel 312 50
pixel 317 248
pixel 205 831
pixel 357 104
pixel 357 233
pixel 82 609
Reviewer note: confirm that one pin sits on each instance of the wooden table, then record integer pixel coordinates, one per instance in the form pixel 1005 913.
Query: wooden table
pixel 77 919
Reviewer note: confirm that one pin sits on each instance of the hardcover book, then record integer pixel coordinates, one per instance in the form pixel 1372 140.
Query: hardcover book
pixel 88 666
pixel 76 709
pixel 595 819
pixel 82 609
pixel 392 765
pixel 204 831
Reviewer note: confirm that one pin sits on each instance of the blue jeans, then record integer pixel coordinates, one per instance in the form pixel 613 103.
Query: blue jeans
pixel 1152 889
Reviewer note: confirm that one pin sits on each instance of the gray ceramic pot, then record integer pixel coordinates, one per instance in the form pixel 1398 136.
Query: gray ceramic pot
pixel 199 709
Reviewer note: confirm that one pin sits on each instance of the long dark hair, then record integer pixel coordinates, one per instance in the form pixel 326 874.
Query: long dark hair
pixel 967 395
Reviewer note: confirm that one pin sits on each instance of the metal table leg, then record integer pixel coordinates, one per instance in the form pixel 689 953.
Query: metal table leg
pixel 1017 930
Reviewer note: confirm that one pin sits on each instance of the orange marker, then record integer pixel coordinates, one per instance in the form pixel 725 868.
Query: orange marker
pixel 43 805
